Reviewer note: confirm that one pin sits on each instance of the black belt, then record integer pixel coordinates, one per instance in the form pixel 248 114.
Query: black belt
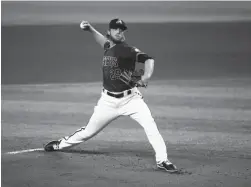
pixel 120 95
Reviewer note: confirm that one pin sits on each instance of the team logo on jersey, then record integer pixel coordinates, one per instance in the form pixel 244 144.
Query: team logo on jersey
pixel 110 61
pixel 119 22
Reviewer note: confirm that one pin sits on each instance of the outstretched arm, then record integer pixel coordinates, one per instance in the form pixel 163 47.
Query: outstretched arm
pixel 99 38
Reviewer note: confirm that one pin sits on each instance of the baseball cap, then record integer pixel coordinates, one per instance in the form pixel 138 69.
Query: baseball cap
pixel 117 23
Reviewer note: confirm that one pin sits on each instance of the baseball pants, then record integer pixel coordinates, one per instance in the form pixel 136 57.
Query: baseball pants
pixel 108 109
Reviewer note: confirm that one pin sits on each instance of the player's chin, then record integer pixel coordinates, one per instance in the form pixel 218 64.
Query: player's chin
pixel 118 39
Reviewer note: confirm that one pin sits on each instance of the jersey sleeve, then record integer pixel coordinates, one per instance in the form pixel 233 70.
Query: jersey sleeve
pixel 139 56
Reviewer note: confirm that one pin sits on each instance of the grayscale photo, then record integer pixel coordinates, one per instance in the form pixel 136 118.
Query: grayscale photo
pixel 126 93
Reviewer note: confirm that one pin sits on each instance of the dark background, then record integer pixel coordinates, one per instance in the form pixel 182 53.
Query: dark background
pixel 64 53
pixel 42 41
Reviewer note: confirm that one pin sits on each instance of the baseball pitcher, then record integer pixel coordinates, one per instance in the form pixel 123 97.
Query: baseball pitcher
pixel 120 95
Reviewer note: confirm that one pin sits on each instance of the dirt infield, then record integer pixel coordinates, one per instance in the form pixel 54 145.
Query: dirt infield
pixel 205 123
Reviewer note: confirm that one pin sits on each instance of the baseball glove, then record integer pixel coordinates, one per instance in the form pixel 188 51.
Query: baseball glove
pixel 131 81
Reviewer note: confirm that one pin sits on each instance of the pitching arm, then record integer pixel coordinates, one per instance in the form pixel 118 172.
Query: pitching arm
pixel 99 38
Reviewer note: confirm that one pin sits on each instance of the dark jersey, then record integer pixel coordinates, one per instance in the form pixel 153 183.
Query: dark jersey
pixel 118 59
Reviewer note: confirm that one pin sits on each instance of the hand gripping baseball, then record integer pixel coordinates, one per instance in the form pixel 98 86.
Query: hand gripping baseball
pixel 126 77
pixel 85 25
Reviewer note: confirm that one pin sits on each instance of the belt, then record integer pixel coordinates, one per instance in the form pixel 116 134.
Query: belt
pixel 119 95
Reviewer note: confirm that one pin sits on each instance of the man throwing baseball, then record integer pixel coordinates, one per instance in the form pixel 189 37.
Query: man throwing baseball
pixel 120 95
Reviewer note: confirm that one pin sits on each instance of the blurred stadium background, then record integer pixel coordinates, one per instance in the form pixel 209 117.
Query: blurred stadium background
pixel 42 41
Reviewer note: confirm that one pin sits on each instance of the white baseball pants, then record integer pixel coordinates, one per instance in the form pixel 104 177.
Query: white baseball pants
pixel 108 109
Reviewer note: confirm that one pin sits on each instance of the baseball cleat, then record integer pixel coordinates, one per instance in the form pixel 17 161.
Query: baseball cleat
pixel 52 146
pixel 167 166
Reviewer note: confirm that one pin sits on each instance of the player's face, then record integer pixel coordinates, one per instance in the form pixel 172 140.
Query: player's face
pixel 117 34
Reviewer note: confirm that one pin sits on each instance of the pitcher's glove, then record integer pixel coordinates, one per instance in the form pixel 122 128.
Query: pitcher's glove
pixel 127 78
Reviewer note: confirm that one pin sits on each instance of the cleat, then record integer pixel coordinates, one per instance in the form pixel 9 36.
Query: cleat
pixel 52 146
pixel 167 166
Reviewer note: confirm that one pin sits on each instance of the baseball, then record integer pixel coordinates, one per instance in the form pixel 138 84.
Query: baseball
pixel 84 25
